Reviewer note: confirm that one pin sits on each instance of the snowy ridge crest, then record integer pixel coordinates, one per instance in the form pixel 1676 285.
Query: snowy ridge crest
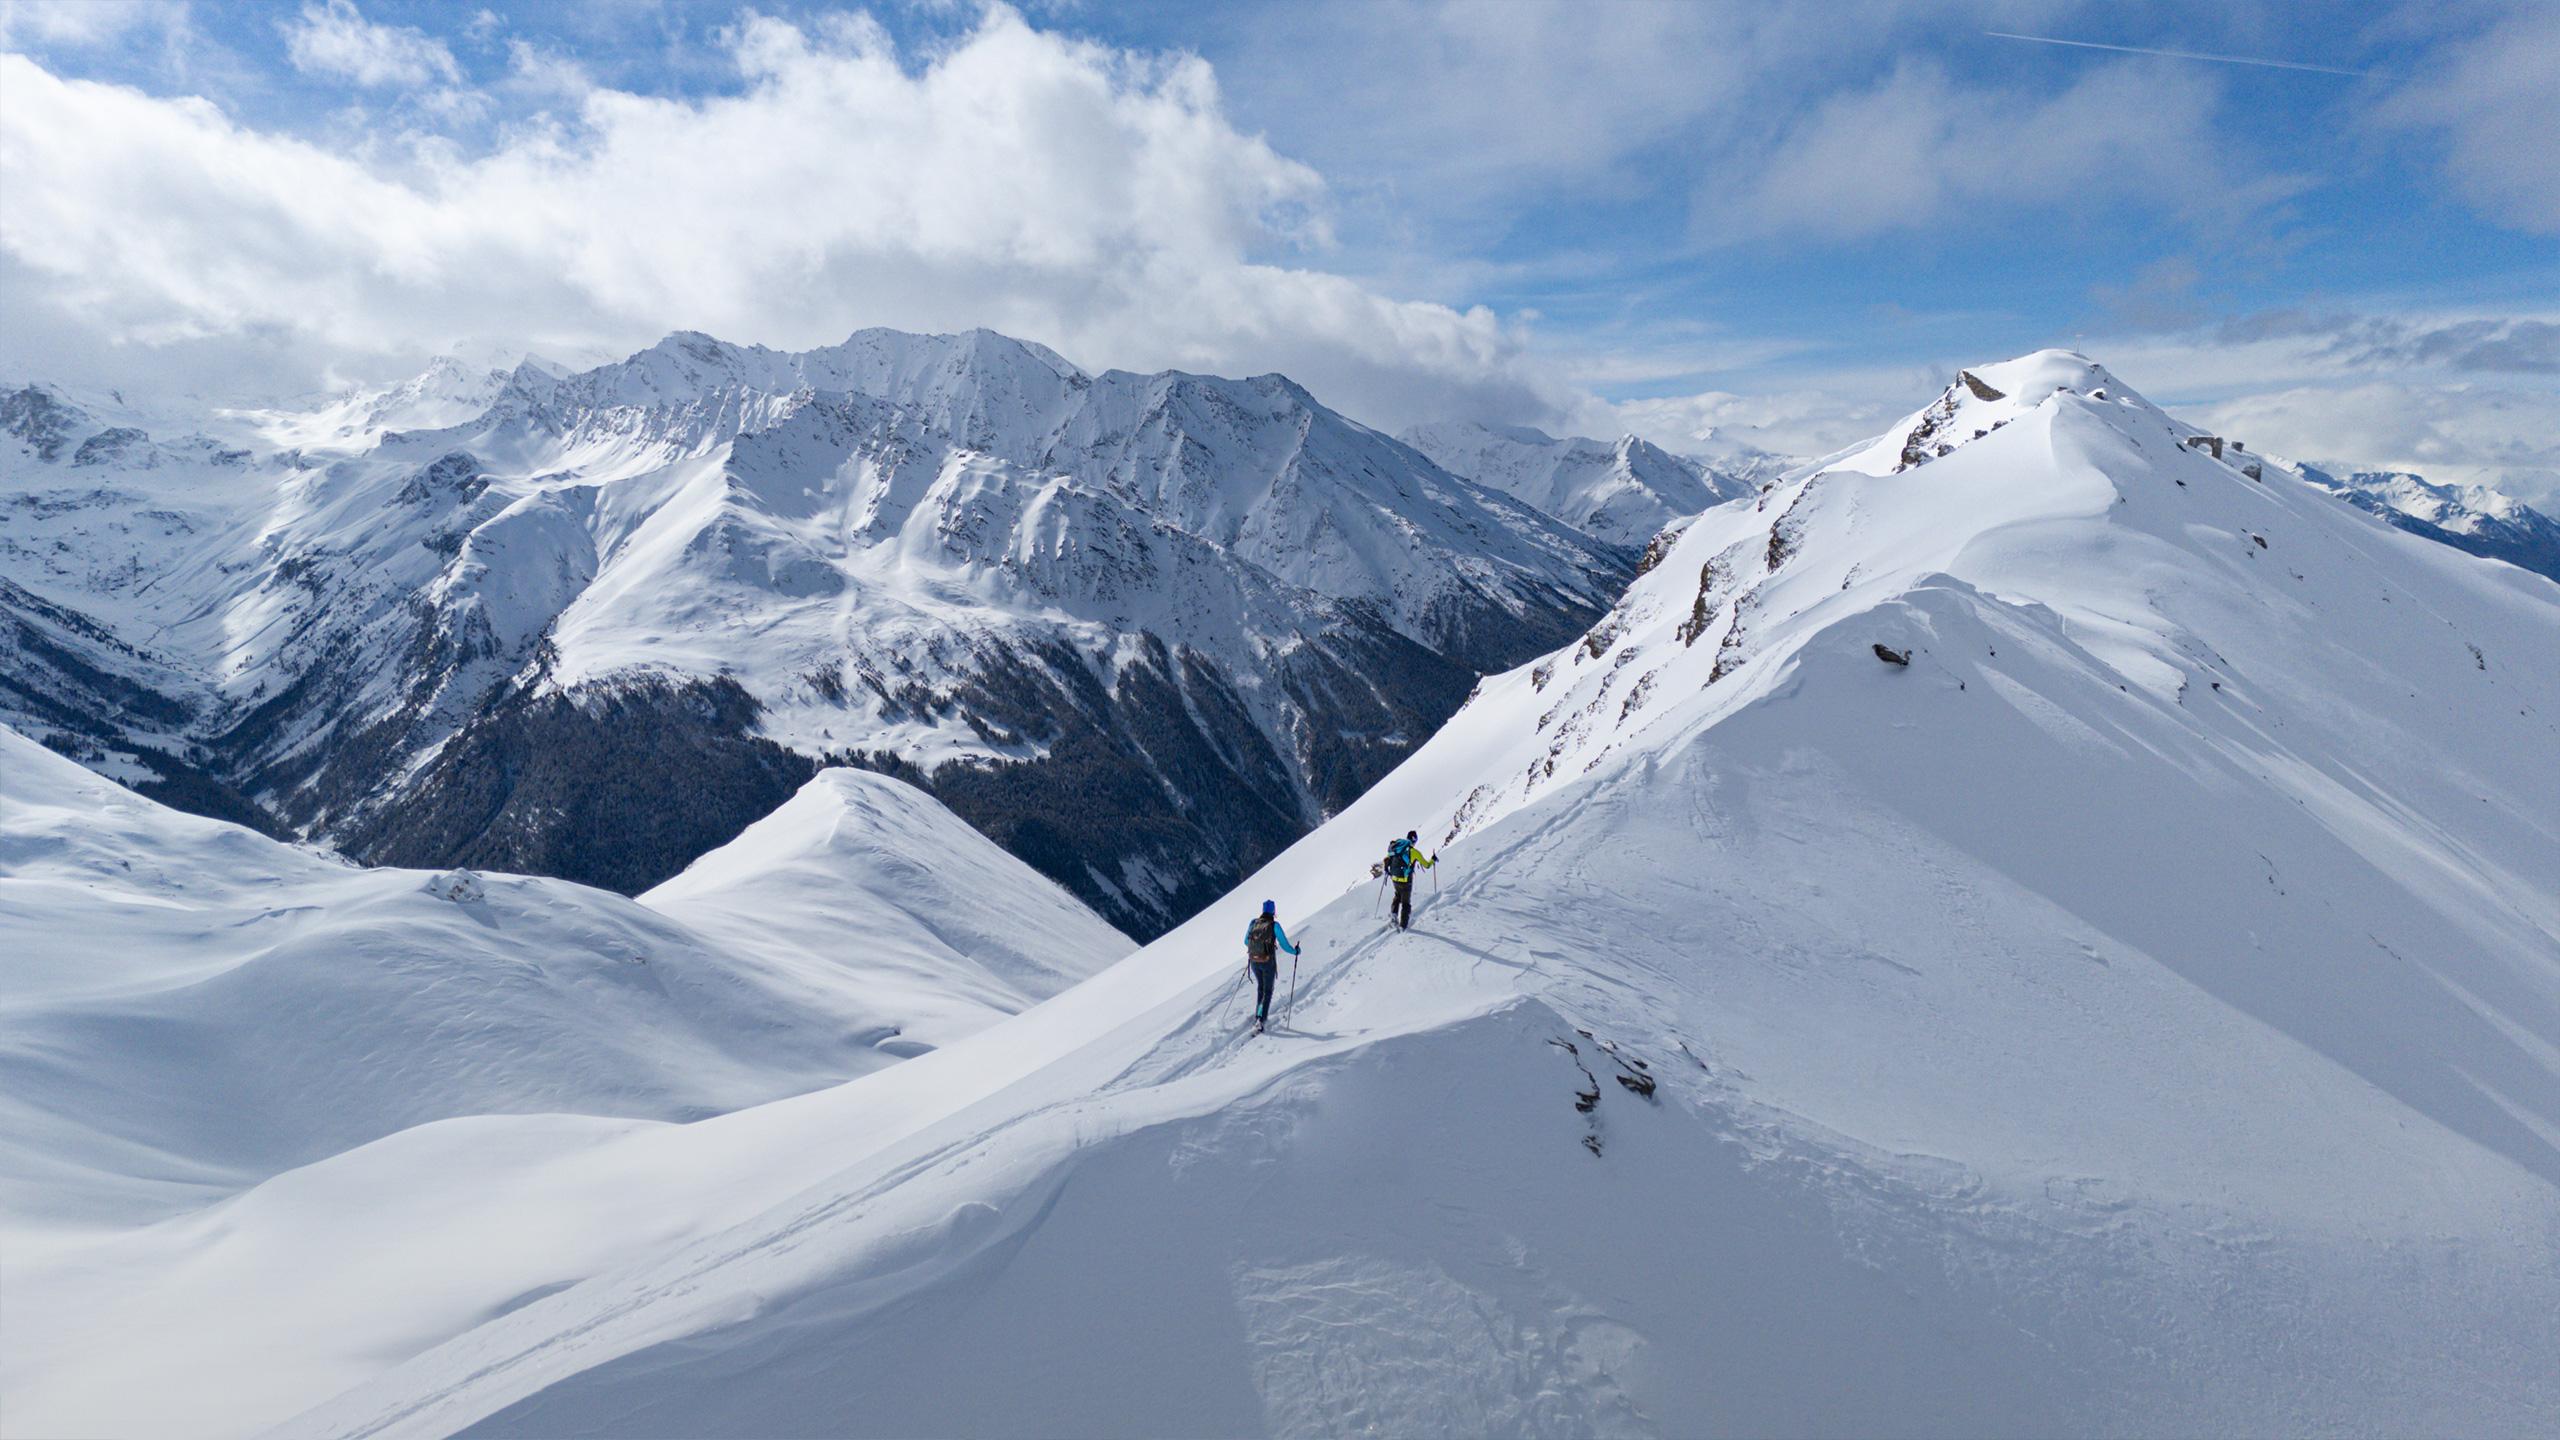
pixel 1722 613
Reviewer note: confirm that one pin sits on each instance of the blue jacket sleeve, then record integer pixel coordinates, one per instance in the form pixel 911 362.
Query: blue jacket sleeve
pixel 1282 936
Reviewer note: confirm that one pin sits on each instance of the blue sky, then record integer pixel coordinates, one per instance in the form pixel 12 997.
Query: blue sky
pixel 1778 223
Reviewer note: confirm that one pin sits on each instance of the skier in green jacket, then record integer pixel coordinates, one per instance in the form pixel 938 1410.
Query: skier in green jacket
pixel 1403 859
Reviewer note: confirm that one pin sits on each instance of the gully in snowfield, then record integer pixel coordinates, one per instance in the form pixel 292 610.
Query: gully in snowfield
pixel 1263 942
pixel 1403 859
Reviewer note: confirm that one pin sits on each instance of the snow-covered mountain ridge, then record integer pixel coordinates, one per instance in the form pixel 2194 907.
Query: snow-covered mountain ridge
pixel 2051 936
pixel 1625 492
pixel 2466 517
pixel 1144 630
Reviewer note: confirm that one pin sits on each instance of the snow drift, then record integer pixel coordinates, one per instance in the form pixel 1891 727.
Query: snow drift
pixel 193 1017
pixel 950 932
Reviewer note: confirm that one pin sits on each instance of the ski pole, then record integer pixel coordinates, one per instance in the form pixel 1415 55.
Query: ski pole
pixel 1291 1013
pixel 1233 991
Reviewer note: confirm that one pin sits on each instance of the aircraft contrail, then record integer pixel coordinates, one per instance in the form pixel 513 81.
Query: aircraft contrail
pixel 2179 54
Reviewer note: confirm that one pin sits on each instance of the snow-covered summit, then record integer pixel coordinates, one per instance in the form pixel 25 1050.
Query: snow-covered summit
pixel 448 392
pixel 864 882
pixel 692 390
pixel 1982 400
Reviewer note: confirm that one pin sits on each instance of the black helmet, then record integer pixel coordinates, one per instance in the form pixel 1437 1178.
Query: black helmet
pixel 1413 834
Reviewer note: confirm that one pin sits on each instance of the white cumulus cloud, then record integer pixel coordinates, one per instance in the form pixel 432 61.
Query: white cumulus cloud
pixel 1093 198
pixel 333 38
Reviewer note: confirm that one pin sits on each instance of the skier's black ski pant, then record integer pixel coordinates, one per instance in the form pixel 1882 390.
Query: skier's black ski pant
pixel 1266 973
pixel 1404 903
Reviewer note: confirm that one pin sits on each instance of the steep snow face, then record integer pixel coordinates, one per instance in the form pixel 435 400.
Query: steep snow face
pixel 2466 517
pixel 1961 941
pixel 113 544
pixel 1624 493
pixel 195 1021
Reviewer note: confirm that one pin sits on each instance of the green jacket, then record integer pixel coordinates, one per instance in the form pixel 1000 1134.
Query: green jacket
pixel 1413 860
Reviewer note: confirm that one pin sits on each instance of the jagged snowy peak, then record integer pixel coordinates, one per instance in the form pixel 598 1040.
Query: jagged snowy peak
pixel 1979 402
pixel 1624 493
pixel 2467 517
pixel 965 381
pixel 46 426
pixel 1316 500
pixel 42 421
pixel 1959 943
pixel 855 585
pixel 692 391
pixel 987 391
pixel 448 392
pixel 1256 466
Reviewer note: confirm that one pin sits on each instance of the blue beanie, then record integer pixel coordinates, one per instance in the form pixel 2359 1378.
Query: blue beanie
pixel 1269 908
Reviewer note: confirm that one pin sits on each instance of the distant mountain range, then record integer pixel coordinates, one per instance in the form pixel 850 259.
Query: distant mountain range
pixel 1143 630
pixel 1625 492
pixel 2466 517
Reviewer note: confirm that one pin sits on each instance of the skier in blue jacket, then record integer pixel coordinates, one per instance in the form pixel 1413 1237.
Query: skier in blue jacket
pixel 1263 942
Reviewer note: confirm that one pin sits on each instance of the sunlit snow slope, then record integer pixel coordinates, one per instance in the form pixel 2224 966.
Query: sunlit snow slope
pixel 198 1023
pixel 2131 1004
pixel 951 931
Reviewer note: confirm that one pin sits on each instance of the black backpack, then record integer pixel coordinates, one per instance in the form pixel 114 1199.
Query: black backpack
pixel 1259 943
pixel 1399 859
